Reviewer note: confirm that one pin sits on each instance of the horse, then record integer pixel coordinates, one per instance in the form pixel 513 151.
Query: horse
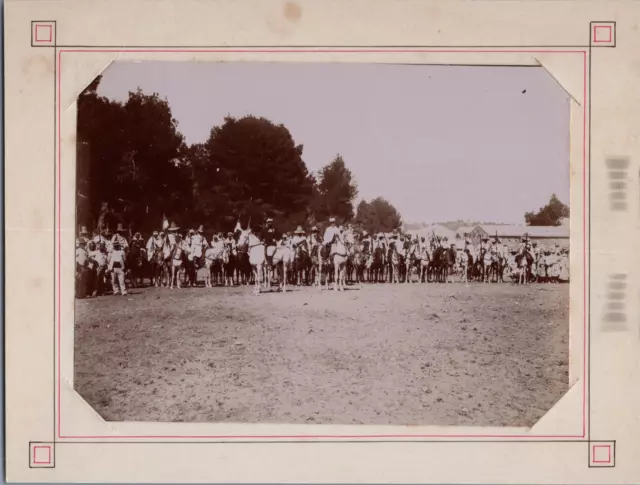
pixel 412 259
pixel 243 267
pixel 178 256
pixel 160 267
pixel 375 265
pixel 216 257
pixel 338 257
pixel 281 261
pixel 497 268
pixel 229 266
pixel 524 260
pixel 301 263
pixel 136 257
pixel 257 256
pixel 195 261
pixel 425 261
pixel 396 259
pixel 434 273
pixel 447 264
pixel 358 261
pixel 323 258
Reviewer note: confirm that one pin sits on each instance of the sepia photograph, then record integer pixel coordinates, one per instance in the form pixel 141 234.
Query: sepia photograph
pixel 322 243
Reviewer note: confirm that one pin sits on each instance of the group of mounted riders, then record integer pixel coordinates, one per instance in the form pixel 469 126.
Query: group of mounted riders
pixel 169 258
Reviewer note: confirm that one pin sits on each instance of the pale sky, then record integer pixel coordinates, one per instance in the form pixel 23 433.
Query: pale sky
pixel 438 142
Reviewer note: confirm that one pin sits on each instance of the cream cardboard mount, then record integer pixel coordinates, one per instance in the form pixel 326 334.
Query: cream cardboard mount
pixel 55 48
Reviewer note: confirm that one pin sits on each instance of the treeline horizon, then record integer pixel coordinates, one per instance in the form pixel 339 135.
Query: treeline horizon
pixel 135 168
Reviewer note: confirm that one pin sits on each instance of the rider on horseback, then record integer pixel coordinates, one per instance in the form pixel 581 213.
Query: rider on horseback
pixel 498 248
pixel 470 249
pixel 197 246
pixel 313 238
pixel 269 238
pixel 151 244
pixel 330 233
pixel 366 243
pixel 485 245
pixel 299 237
pixel 230 241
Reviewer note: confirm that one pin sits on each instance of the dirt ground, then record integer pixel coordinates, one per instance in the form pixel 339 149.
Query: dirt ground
pixel 384 354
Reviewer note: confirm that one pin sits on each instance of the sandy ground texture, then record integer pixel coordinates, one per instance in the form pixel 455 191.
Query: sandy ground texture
pixel 385 354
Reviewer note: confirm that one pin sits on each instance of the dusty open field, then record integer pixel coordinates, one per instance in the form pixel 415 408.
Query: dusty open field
pixel 385 354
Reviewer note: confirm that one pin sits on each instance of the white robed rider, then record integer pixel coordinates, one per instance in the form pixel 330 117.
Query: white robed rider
pixel 332 233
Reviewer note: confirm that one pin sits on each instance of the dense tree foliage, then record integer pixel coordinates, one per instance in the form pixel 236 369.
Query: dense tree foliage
pixel 378 215
pixel 549 215
pixel 131 164
pixel 133 167
pixel 253 169
pixel 336 192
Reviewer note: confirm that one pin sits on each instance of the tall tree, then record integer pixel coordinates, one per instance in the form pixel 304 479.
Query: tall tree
pixel 378 215
pixel 549 215
pixel 336 192
pixel 129 166
pixel 254 170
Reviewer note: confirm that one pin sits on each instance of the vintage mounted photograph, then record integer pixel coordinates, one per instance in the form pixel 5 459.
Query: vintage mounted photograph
pixel 322 243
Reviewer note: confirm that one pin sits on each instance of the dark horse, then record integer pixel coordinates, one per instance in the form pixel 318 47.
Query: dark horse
pixel 496 270
pixel 160 266
pixel 376 265
pixel 447 263
pixel 301 264
pixel 357 259
pixel 136 259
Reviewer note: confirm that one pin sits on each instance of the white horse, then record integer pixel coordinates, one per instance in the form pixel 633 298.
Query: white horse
pixel 282 258
pixel 339 256
pixel 257 258
pixel 216 255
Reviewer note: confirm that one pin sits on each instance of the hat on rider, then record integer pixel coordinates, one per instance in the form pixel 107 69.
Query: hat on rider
pixel 269 220
pixel 107 232
pixel 535 243
pixel 299 230
pixel 200 228
pixel 332 219
pixel 84 231
pixel 314 229
pixel 155 233
pixel 485 238
pixel 173 227
pixel 229 234
pixel 365 233
pixel 120 227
